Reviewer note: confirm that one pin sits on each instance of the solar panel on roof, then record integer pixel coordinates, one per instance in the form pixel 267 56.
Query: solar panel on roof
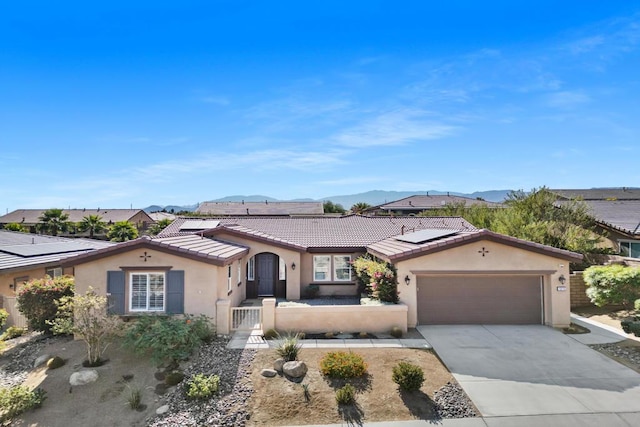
pixel 45 248
pixel 198 224
pixel 425 235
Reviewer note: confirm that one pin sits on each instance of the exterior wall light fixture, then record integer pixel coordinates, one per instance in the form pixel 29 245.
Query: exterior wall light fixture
pixel 407 280
pixel 293 265
pixel 562 279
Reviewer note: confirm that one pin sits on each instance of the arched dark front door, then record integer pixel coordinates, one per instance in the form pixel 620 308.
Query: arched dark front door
pixel 266 273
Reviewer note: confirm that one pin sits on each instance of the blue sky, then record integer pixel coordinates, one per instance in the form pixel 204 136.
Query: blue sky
pixel 158 102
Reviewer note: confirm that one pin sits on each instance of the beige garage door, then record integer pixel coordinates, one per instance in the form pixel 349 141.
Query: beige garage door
pixel 479 299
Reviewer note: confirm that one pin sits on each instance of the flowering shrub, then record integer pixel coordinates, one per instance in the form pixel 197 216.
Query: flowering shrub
pixel 342 364
pixel 379 279
pixel 37 300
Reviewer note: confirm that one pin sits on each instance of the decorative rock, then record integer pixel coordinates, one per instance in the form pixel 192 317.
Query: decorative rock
pixel 162 410
pixel 269 373
pixel 277 365
pixel 55 362
pixel 295 369
pixel 41 360
pixel 83 377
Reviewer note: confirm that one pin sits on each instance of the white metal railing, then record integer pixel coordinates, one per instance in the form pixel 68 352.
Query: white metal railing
pixel 15 317
pixel 246 318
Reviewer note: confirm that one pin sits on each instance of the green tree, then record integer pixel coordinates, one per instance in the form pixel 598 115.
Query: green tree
pixel 359 207
pixel 93 224
pixel 122 231
pixel 14 226
pixel 53 221
pixel 330 207
pixel 156 228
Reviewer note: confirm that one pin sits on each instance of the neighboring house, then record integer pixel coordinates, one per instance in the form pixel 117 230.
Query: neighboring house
pixel 26 256
pixel 265 208
pixel 159 216
pixel 449 271
pixel 617 215
pixel 30 218
pixel 413 205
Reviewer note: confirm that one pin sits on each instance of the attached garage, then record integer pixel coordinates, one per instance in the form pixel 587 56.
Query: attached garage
pixel 490 299
pixel 479 277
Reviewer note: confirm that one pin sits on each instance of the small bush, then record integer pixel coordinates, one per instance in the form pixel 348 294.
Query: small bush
pixel 408 376
pixel 271 334
pixel 634 328
pixel 202 386
pixel 4 315
pixel 289 347
pixel 342 364
pixel 612 284
pixel 312 291
pixel 12 332
pixel 396 332
pixel 18 399
pixel 202 327
pixel 636 304
pixel 55 362
pixel 37 300
pixel 346 395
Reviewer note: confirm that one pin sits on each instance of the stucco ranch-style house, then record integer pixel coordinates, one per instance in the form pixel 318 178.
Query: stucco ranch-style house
pixel 449 272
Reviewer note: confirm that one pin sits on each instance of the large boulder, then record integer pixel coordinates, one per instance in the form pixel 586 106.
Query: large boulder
pixel 295 369
pixel 83 377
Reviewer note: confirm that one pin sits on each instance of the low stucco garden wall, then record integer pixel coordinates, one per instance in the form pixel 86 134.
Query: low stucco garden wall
pixel 334 318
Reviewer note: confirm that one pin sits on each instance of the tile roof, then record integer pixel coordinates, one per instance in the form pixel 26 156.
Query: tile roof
pixel 622 215
pixel 261 208
pixel 41 250
pixel 394 250
pixel 190 245
pixel 352 231
pixel 31 216
pixel 623 193
pixel 432 202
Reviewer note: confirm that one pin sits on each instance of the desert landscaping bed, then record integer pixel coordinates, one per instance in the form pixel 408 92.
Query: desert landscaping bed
pixel 279 401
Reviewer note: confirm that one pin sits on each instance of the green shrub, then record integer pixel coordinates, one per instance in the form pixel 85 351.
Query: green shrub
pixel 55 362
pixel 12 332
pixel 346 395
pixel 625 324
pixel 202 327
pixel 202 386
pixel 612 284
pixel 636 305
pixel 165 339
pixel 4 315
pixel 634 328
pixel 342 364
pixel 289 347
pixel 379 279
pixel 312 291
pixel 37 300
pixel 396 332
pixel 18 399
pixel 408 376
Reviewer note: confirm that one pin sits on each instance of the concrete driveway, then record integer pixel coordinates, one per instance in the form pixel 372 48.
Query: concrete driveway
pixel 530 371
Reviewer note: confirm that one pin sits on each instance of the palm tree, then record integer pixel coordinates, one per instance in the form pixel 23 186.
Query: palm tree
pixel 159 226
pixel 93 224
pixel 122 231
pixel 53 221
pixel 359 207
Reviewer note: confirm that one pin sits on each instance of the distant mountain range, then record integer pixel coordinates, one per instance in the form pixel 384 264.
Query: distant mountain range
pixel 374 197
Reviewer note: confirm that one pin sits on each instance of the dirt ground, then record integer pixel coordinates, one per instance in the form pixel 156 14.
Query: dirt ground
pixel 611 316
pixel 103 403
pixel 278 401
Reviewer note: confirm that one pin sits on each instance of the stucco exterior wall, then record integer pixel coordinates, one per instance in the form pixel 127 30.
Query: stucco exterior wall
pixel 7 278
pixel 289 256
pixel 498 259
pixel 204 283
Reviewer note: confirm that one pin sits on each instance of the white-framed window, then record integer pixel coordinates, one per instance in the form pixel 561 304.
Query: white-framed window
pixel 146 291
pixel 54 272
pixel 322 268
pixel 239 272
pixel 229 276
pixel 282 270
pixel 342 268
pixel 629 249
pixel 251 268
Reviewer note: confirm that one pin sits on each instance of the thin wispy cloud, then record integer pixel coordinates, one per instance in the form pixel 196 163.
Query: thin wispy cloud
pixel 398 127
pixel 567 99
pixel 217 100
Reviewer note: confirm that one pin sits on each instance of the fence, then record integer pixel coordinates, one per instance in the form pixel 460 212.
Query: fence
pixel 246 318
pixel 15 317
